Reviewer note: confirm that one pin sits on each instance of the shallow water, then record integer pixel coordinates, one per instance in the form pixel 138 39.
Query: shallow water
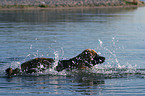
pixel 118 34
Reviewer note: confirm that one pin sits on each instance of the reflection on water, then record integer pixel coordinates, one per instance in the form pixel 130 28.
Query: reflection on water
pixel 117 34
pixel 81 83
pixel 59 15
pixel 54 85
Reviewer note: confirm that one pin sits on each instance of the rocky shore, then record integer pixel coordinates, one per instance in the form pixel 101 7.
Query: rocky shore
pixel 66 3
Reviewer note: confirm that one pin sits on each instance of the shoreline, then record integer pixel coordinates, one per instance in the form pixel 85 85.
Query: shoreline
pixel 68 4
pixel 77 7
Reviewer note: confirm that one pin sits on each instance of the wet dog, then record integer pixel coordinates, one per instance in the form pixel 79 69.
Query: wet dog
pixel 87 59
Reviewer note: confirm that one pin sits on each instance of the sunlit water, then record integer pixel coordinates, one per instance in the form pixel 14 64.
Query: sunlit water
pixel 117 34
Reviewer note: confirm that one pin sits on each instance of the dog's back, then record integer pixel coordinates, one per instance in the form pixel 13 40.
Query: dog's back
pixel 37 64
pixel 32 66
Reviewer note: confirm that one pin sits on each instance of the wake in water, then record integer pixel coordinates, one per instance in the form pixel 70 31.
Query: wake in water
pixel 110 69
pixel 113 68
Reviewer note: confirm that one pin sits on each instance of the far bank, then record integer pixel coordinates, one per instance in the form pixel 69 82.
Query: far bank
pixel 44 4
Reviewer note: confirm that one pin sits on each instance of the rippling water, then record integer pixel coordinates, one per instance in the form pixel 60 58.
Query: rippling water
pixel 118 34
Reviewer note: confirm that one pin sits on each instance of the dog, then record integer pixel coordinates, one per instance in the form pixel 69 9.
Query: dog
pixel 87 59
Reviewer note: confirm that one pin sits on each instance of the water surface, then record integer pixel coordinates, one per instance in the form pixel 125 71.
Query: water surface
pixel 116 33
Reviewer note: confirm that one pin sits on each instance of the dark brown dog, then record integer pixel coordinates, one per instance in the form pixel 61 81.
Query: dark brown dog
pixel 87 59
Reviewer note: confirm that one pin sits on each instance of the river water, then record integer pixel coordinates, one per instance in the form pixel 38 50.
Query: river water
pixel 115 33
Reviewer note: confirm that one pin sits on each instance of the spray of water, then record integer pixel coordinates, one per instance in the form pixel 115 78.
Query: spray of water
pixel 52 71
pixel 111 52
pixel 111 68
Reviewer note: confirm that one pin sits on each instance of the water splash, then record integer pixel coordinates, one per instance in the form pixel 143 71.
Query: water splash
pixel 100 42
pixel 52 71
pixel 112 68
pixel 110 52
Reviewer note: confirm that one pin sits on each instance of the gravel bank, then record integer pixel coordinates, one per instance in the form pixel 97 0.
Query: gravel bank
pixel 62 3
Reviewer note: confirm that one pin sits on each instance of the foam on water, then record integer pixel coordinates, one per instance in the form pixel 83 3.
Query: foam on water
pixel 111 68
pixel 52 70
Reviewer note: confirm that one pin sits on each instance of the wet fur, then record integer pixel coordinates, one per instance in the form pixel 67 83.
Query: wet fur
pixel 86 59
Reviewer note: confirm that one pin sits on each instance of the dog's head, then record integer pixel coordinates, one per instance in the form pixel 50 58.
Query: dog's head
pixel 91 58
